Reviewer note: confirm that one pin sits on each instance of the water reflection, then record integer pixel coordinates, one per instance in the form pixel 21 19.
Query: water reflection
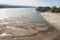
pixel 21 21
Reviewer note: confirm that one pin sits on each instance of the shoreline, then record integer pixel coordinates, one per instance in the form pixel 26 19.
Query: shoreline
pixel 52 18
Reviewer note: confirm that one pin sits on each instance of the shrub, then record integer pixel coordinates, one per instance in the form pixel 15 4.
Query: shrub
pixel 53 9
pixel 58 10
pixel 42 9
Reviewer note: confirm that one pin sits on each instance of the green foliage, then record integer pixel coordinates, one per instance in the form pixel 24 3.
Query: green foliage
pixel 53 9
pixel 58 10
pixel 42 9
pixel 39 9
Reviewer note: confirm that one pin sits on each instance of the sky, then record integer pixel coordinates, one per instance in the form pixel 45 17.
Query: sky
pixel 32 2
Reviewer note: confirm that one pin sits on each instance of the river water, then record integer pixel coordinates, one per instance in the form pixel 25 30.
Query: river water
pixel 20 16
pixel 28 13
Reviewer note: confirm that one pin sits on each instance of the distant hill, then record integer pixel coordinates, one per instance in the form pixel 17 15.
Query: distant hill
pixel 15 6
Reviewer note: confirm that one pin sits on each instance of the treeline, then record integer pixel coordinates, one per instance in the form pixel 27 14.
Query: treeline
pixel 53 9
pixel 15 6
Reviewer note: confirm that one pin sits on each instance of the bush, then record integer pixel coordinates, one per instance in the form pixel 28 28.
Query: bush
pixel 58 10
pixel 42 9
pixel 53 9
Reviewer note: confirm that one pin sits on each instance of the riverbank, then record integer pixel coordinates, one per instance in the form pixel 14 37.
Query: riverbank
pixel 52 18
pixel 31 31
pixel 49 34
pixel 28 32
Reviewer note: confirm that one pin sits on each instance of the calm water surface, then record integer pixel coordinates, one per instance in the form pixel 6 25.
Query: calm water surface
pixel 29 13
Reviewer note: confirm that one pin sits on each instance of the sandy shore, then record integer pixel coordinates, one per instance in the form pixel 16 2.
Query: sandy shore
pixel 52 18
pixel 34 32
pixel 50 34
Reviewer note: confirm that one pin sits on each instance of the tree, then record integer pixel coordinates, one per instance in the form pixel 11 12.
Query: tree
pixel 38 9
pixel 58 10
pixel 53 9
pixel 41 9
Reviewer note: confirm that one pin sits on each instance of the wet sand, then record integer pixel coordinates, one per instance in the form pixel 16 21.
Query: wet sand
pixel 52 18
pixel 28 31
pixel 33 34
